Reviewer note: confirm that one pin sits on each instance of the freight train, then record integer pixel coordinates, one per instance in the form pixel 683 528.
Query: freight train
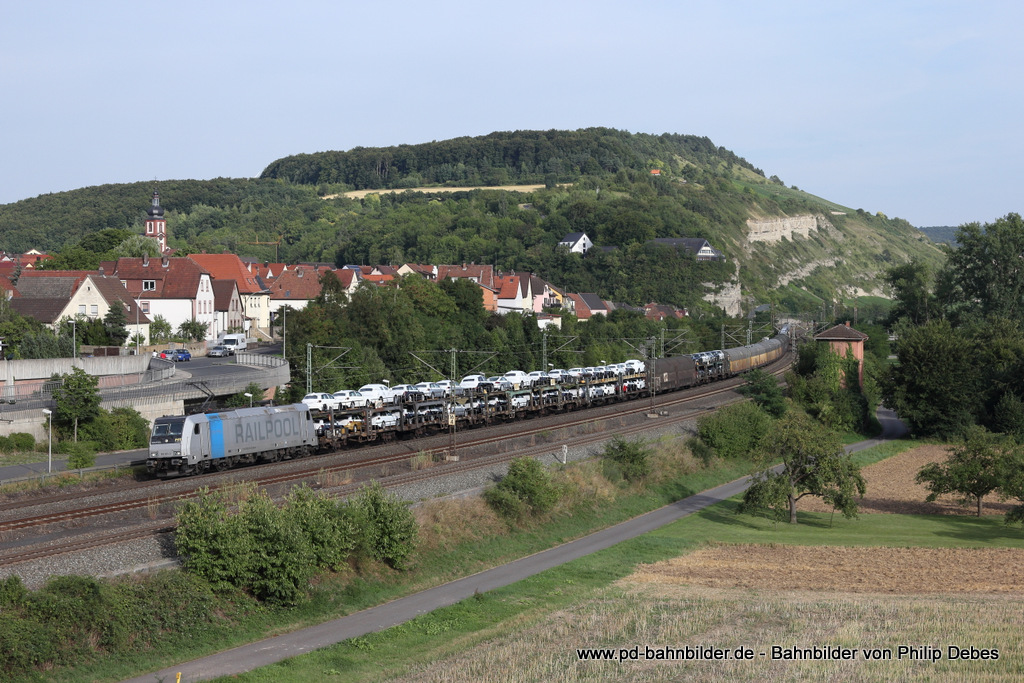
pixel 182 445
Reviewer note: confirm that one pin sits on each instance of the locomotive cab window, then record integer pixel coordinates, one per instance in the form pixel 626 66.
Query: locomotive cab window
pixel 195 430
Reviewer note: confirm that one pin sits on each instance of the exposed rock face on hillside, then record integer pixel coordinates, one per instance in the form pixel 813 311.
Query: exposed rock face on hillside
pixel 774 229
pixel 728 296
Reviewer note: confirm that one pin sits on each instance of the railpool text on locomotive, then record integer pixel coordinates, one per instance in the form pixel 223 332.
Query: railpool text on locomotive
pixel 276 426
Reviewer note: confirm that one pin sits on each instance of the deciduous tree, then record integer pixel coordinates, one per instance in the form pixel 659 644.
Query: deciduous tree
pixel 77 398
pixel 971 471
pixel 986 270
pixel 813 464
pixel 934 387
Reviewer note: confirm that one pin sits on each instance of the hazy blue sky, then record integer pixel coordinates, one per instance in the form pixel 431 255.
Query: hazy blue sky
pixel 910 108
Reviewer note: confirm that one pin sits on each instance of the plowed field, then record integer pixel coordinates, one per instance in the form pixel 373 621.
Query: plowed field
pixel 843 569
pixel 891 488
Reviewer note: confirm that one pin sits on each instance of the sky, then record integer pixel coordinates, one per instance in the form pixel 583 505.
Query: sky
pixel 913 109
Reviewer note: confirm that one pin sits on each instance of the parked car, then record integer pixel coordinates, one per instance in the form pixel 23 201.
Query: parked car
pixel 431 389
pixel 559 375
pixel 319 401
pixel 176 355
pixel 447 386
pixel 350 398
pixel 219 352
pixel 377 393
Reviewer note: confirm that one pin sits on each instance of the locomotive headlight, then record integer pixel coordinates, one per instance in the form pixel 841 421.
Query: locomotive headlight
pixel 177 453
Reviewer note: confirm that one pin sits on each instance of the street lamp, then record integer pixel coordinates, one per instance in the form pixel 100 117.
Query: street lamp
pixel 249 396
pixel 49 442
pixel 138 335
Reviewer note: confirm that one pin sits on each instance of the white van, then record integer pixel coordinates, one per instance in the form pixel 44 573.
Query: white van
pixel 234 342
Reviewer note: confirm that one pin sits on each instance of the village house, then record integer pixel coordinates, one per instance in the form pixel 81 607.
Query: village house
pixel 227 308
pixel 55 295
pixel 576 243
pixel 177 289
pixel 483 275
pixel 698 246
pixel 254 294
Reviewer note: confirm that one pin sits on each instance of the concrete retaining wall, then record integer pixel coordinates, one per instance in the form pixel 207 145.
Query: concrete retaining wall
pixel 34 422
pixel 12 371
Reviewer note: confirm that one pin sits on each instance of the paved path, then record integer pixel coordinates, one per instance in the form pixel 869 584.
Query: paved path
pixel 272 650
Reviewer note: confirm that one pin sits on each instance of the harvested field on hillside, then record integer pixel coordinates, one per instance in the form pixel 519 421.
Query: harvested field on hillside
pixel 891 488
pixel 359 194
pixel 844 569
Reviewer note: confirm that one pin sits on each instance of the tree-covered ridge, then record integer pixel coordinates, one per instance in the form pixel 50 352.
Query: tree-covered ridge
pixel 51 221
pixel 507 157
pixel 703 191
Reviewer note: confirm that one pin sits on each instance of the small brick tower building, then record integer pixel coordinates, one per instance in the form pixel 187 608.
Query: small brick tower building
pixel 843 337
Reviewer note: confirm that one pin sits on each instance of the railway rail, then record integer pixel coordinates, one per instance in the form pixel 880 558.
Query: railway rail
pixel 80 527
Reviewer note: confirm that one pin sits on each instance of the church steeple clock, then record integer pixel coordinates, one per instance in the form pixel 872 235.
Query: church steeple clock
pixel 156 226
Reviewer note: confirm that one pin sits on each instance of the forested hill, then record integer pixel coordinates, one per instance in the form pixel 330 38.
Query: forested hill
pixel 521 157
pixel 623 190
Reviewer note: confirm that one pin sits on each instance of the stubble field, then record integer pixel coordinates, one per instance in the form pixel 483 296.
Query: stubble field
pixel 756 596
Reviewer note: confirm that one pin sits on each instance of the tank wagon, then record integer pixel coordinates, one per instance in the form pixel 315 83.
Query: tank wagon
pixel 197 443
pixel 192 444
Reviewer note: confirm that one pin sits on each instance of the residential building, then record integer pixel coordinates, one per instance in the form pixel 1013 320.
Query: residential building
pixel 483 274
pixel 227 307
pixel 296 288
pixel 653 311
pixel 576 242
pixel 427 271
pixel 509 295
pixel 578 306
pixel 698 246
pixel 51 296
pixel 596 305
pixel 178 289
pixel 254 293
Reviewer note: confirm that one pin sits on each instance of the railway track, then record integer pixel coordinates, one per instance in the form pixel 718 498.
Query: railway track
pixel 80 525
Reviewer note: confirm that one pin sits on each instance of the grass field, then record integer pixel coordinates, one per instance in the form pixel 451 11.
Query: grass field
pixel 880 582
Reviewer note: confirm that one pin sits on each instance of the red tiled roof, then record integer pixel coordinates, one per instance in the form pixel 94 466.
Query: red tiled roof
pixel 299 283
pixel 345 276
pixel 229 267
pixel 841 333
pixel 175 278
pixel 507 287
pixel 267 270
pixel 484 274
pixel 6 286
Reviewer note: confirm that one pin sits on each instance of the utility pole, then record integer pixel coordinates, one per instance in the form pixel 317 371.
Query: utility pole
pixel 544 349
